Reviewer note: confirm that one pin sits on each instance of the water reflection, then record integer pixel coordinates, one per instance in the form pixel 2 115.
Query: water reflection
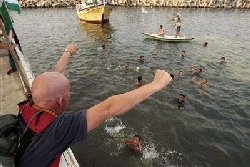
pixel 97 32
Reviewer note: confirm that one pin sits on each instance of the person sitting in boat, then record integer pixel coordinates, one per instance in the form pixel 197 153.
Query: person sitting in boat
pixel 161 31
pixel 177 26
pixel 55 130
pixel 134 143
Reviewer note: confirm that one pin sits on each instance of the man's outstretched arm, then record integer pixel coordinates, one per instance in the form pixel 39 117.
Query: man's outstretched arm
pixel 64 59
pixel 120 104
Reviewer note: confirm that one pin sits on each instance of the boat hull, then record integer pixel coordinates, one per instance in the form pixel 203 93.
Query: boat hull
pixel 167 38
pixel 94 14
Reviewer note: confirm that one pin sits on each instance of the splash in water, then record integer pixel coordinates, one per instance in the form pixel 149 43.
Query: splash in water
pixel 113 126
pixel 150 152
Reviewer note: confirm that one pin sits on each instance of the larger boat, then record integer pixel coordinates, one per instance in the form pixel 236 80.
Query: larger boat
pixel 94 12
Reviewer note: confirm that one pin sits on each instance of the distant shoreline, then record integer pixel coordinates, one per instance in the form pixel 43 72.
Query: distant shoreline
pixel 236 4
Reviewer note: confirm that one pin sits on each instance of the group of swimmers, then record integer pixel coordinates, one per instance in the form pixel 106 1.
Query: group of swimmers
pixel 197 78
pixel 135 143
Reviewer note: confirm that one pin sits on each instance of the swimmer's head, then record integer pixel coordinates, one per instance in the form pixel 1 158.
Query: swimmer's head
pixel 138 137
pixel 126 64
pixel 180 73
pixel 204 81
pixel 103 46
pixel 172 75
pixel 205 44
pixel 141 58
pixel 139 78
pixel 181 98
pixel 222 60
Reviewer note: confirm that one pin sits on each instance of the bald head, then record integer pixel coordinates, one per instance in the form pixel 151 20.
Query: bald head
pixel 50 89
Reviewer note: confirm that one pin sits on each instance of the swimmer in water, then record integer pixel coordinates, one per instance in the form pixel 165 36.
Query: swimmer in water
pixel 192 68
pixel 204 83
pixel 205 44
pixel 181 101
pixel 134 144
pixel 222 60
pixel 139 82
pixel 172 75
pixel 182 54
pixel 141 59
pixel 103 47
pixel 126 65
pixel 198 71
pixel 194 80
pixel 180 74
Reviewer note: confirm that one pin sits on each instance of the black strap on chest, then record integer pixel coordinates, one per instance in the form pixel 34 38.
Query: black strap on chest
pixel 26 137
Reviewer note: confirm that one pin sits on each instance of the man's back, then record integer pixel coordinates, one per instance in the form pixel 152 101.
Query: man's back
pixel 65 130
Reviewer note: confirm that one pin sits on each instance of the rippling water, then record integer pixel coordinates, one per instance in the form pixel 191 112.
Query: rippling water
pixel 214 129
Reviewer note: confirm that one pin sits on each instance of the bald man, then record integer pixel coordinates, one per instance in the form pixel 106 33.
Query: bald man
pixel 50 95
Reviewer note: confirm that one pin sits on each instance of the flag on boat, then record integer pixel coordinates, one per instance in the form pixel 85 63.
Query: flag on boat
pixel 5 17
pixel 12 5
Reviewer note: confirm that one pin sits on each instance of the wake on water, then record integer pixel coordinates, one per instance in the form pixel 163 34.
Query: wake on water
pixel 115 128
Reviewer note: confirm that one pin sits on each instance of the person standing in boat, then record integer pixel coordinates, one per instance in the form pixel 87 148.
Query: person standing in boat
pixel 162 32
pixel 55 131
pixel 177 25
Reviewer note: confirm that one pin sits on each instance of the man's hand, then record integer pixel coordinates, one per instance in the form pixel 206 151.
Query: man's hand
pixel 62 63
pixel 72 48
pixel 161 79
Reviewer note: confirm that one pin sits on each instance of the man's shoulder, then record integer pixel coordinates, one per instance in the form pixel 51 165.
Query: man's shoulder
pixel 68 115
pixel 69 118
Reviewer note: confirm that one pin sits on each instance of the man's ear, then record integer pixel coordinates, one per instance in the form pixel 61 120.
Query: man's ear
pixel 60 101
